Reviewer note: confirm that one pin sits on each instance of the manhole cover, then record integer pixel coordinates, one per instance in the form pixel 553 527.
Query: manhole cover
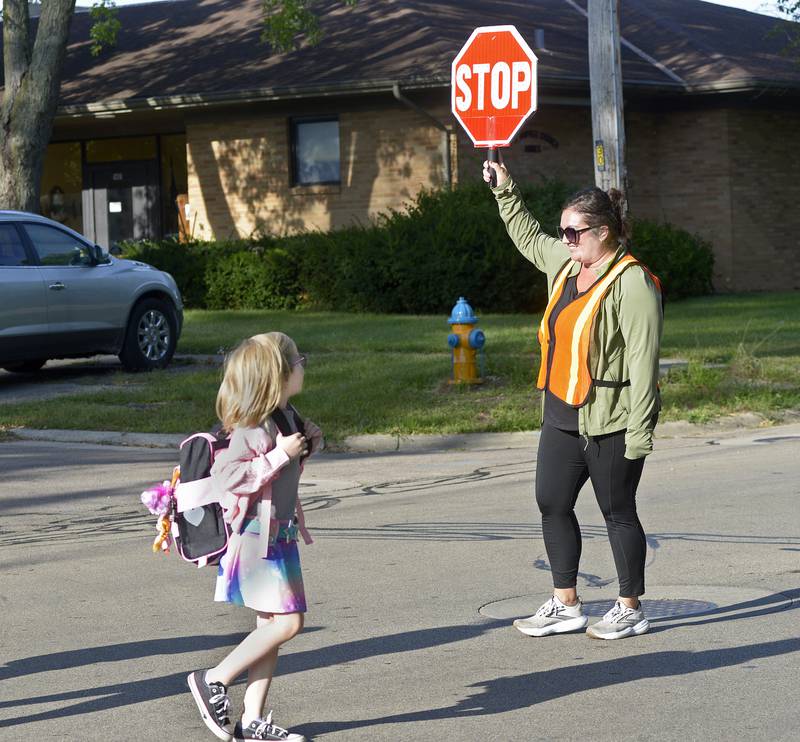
pixel 664 602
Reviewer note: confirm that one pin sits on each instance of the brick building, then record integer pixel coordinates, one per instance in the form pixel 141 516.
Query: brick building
pixel 190 102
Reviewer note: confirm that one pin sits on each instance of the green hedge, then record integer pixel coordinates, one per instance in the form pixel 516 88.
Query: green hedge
pixel 447 244
pixel 682 262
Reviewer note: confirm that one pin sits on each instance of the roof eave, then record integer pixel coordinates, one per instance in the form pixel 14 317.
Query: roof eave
pixel 266 95
pixel 259 95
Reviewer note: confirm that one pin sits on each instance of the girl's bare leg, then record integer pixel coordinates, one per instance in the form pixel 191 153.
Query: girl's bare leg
pixel 259 678
pixel 255 650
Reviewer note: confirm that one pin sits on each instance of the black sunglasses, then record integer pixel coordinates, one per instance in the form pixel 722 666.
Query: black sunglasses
pixel 299 361
pixel 572 234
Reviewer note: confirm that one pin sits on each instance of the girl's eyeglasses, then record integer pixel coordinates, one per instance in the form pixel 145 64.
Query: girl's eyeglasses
pixel 300 361
pixel 572 234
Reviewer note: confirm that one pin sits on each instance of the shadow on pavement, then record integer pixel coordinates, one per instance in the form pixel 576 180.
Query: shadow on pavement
pixel 523 691
pixel 124 694
pixel 762 607
pixel 497 696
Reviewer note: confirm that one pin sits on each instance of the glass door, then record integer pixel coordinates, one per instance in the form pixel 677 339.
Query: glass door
pixel 125 204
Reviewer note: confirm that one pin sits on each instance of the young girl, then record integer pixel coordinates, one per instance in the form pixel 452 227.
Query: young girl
pixel 257 478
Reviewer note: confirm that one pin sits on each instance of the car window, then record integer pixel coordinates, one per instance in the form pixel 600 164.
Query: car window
pixel 55 247
pixel 12 251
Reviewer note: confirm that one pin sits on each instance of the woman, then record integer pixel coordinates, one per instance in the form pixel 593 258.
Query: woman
pixel 600 339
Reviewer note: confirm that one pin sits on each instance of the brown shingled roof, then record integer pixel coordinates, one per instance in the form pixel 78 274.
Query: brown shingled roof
pixel 211 49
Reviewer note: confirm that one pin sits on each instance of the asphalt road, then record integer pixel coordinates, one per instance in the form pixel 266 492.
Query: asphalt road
pixel 420 560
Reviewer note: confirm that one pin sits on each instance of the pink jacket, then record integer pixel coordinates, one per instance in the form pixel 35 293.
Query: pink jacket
pixel 242 474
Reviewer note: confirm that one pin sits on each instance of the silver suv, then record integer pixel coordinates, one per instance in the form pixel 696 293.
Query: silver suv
pixel 61 296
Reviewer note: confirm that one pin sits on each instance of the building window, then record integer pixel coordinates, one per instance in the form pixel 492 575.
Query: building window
pixel 315 152
pixel 120 149
pixel 174 180
pixel 61 184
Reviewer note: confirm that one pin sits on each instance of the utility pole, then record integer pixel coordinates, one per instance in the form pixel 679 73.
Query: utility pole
pixel 605 79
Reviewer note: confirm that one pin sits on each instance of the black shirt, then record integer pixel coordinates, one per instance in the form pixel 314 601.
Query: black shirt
pixel 557 412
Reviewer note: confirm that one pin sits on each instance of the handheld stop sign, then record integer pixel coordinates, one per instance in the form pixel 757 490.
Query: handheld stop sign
pixel 493 86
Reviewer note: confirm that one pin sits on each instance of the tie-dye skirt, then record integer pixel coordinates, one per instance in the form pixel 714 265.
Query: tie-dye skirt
pixel 271 585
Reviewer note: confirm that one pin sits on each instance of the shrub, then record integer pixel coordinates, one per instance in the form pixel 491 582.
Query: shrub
pixel 188 263
pixel 682 262
pixel 253 280
pixel 447 244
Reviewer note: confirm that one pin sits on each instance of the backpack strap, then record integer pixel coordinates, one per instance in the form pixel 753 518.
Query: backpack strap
pixel 282 422
pixel 279 416
pixel 301 523
pixel 195 494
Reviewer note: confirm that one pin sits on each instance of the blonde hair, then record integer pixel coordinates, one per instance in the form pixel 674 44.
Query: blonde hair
pixel 255 375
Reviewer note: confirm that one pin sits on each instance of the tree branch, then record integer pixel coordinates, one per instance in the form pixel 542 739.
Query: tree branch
pixel 285 21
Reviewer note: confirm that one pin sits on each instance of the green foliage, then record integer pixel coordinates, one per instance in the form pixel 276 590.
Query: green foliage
pixel 253 280
pixel 286 20
pixel 105 26
pixel 188 263
pixel 682 262
pixel 788 36
pixel 447 244
pixel 391 371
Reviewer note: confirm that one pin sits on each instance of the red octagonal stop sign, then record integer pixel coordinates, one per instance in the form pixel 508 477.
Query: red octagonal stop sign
pixel 493 82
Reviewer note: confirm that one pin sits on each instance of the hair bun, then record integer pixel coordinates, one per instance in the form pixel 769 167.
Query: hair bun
pixel 617 199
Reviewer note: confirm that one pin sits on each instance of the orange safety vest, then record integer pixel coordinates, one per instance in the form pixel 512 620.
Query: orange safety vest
pixel 570 377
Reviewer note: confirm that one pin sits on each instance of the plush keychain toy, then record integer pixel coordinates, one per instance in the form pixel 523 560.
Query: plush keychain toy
pixel 158 500
pixel 163 540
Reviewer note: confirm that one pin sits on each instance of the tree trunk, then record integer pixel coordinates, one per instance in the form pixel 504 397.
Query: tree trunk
pixel 32 80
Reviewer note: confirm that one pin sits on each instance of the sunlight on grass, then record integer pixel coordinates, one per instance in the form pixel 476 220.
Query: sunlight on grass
pixel 388 374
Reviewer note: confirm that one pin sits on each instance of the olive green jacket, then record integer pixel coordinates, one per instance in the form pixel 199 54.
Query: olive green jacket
pixel 625 337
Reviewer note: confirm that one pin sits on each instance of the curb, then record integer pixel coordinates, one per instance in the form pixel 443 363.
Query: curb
pixel 99 437
pixel 421 443
pixel 351 444
pixel 383 443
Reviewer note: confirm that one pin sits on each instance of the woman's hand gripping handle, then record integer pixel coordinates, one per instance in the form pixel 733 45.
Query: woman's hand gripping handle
pixel 496 169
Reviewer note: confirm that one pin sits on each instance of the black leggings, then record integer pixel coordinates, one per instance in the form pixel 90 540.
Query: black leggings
pixel 564 463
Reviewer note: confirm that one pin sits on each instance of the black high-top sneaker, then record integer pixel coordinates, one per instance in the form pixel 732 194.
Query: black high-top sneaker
pixel 264 729
pixel 214 704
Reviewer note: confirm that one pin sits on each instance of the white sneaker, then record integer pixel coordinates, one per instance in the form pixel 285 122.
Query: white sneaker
pixel 553 618
pixel 620 622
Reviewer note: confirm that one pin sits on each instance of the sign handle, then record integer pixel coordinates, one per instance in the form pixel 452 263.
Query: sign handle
pixel 494 156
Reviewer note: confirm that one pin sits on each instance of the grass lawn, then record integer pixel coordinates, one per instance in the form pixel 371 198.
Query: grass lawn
pixel 382 374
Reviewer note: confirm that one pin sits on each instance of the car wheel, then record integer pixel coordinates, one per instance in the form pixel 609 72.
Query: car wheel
pixel 151 336
pixel 25 367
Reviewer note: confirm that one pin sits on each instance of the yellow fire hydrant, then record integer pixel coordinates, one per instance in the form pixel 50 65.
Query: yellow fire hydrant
pixel 467 344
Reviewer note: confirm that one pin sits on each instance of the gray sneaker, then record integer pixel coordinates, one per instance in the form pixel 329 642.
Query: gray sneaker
pixel 620 622
pixel 553 618
pixel 213 703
